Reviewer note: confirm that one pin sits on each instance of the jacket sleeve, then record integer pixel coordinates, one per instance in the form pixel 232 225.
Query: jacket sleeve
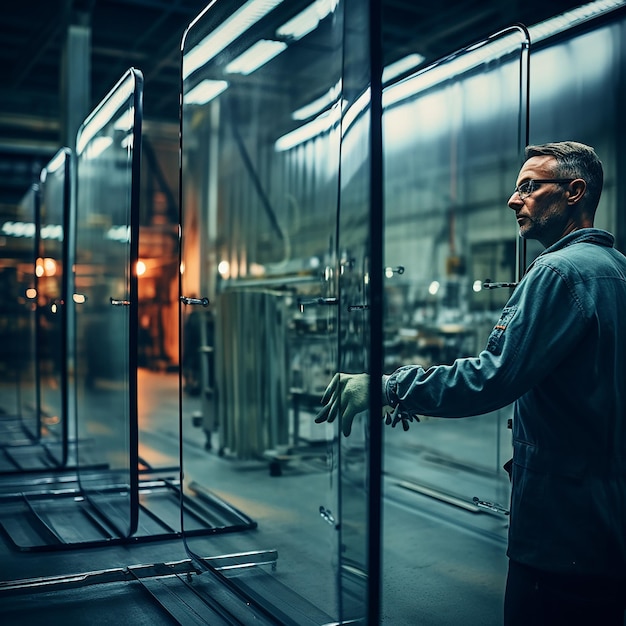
pixel 540 324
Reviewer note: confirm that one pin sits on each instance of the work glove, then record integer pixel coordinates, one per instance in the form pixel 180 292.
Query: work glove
pixel 395 416
pixel 353 389
pixel 352 392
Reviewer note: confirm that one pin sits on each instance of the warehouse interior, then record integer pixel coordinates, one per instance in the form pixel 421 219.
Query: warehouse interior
pixel 267 519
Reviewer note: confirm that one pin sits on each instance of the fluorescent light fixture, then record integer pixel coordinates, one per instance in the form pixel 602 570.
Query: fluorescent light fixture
pixel 456 66
pixel 402 65
pixel 205 91
pixel 118 233
pixel 126 121
pixel 18 229
pixel 321 124
pixel 332 95
pixel 437 73
pixel 103 115
pixel 319 104
pixel 57 160
pixel 576 16
pixel 324 122
pixel 222 36
pixel 355 109
pixel 97 147
pixel 255 57
pixel 127 142
pixel 308 20
pixel 52 231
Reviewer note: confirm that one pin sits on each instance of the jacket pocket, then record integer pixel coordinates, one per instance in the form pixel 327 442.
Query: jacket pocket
pixel 530 457
pixel 496 338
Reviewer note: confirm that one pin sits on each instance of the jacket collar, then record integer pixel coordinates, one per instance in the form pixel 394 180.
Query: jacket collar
pixel 583 235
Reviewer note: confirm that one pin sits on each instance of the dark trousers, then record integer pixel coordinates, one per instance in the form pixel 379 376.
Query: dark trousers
pixel 537 598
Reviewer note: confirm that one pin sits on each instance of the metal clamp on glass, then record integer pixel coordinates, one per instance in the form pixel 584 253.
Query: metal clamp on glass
pixel 490 506
pixel 327 516
pixel 115 302
pixel 489 285
pixel 358 307
pixel 202 301
pixel 311 301
pixel 390 271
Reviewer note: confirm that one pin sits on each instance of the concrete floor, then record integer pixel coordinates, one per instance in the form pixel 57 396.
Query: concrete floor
pixel 443 563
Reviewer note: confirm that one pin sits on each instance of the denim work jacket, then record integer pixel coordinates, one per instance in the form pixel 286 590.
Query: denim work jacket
pixel 559 352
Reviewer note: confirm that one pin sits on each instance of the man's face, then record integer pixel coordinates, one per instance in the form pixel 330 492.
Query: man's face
pixel 543 214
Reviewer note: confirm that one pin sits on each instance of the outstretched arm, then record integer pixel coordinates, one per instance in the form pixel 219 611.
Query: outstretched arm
pixel 348 395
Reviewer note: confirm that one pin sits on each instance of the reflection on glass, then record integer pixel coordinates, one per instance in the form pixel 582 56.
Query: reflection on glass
pixel 19 422
pixel 453 138
pixel 261 180
pixel 52 293
pixel 358 590
pixel 106 302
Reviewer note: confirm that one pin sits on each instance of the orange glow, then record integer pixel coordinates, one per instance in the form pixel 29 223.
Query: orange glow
pixel 45 267
pixel 49 266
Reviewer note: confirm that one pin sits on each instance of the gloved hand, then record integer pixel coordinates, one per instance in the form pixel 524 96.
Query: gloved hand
pixel 352 392
pixel 397 415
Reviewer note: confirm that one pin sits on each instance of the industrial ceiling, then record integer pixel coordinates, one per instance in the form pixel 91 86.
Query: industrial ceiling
pixel 147 34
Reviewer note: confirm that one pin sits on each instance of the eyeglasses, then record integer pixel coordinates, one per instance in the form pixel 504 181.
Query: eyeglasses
pixel 529 186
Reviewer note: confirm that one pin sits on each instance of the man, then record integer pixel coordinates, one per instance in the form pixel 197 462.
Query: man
pixel 557 351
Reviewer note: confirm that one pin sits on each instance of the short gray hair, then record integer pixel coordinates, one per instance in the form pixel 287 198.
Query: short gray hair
pixel 574 160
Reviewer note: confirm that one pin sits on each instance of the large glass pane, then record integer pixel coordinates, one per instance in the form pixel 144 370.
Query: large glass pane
pixel 264 89
pixel 454 134
pixel 53 276
pixel 359 276
pixel 19 419
pixel 108 150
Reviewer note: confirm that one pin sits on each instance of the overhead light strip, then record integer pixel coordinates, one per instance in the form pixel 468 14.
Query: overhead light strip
pixel 576 16
pixel 402 65
pixel 319 104
pixel 205 91
pixel 104 114
pixel 257 55
pixel 438 73
pixel 308 20
pixel 320 125
pixel 56 162
pixel 222 36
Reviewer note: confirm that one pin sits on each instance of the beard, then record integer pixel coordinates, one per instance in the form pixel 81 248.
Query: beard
pixel 546 227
